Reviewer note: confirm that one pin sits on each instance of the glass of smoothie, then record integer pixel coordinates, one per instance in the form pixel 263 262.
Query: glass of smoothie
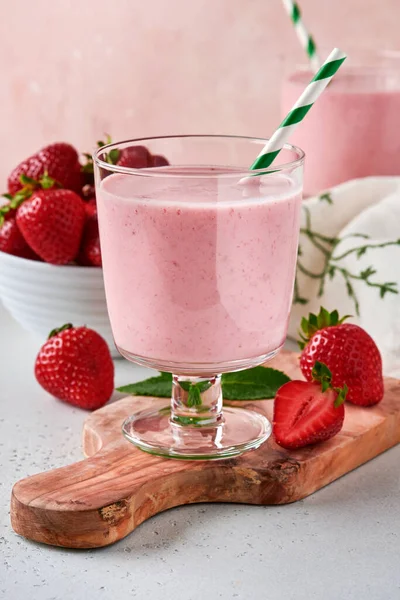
pixel 199 262
pixel 354 128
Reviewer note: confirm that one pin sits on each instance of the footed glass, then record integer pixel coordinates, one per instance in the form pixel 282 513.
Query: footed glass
pixel 199 259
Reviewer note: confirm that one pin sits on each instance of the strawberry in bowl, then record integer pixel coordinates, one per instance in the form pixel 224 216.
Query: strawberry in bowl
pixel 48 248
pixel 50 255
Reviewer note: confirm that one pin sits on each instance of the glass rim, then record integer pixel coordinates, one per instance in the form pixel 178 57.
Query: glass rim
pixel 357 57
pixel 151 172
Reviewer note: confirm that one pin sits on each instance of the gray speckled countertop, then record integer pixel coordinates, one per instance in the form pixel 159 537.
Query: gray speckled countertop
pixel 341 543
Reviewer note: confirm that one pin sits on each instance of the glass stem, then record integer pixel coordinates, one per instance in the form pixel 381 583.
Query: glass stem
pixel 196 401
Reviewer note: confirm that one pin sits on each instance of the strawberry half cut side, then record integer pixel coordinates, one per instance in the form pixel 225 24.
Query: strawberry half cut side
pixel 308 412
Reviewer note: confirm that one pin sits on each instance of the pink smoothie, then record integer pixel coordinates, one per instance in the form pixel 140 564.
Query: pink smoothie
pixel 353 130
pixel 198 270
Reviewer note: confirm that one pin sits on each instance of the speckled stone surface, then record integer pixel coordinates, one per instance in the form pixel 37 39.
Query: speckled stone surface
pixel 341 543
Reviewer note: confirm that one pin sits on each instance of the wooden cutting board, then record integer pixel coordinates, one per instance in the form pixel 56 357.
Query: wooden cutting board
pixel 103 498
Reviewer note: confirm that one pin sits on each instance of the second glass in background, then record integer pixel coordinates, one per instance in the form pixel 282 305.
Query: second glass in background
pixel 354 129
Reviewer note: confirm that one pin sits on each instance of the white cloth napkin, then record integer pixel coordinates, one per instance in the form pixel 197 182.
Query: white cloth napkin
pixel 369 206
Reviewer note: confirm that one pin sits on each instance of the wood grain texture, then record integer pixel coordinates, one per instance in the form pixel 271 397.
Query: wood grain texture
pixel 103 498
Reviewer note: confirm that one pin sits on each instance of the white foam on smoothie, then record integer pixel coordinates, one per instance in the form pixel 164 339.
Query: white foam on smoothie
pixel 199 192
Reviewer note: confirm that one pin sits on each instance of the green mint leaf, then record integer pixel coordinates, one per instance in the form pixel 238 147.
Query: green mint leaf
pixel 185 385
pixel 259 383
pixel 194 396
pixel 160 387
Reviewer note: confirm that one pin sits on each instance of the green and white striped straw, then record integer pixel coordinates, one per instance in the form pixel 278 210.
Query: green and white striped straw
pixel 299 110
pixel 306 40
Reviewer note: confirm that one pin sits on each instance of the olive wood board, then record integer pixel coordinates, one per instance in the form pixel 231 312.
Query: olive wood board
pixel 103 498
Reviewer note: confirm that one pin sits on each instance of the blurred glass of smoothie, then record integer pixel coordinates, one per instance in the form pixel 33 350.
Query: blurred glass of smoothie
pixel 354 128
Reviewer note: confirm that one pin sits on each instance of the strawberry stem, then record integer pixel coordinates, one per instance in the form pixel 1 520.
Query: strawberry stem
pixel 308 327
pixel 58 330
pixel 29 186
pixel 322 374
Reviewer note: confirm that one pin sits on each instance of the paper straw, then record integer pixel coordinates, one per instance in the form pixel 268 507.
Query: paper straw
pixel 306 40
pixel 314 89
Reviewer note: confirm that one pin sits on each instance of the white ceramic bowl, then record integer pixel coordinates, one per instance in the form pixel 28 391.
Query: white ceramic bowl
pixel 42 296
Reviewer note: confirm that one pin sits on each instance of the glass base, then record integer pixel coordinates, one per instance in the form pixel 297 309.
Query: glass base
pixel 238 430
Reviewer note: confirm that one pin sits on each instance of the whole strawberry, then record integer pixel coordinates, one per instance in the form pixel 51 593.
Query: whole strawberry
pixel 75 365
pixel 90 253
pixel 135 157
pixel 348 351
pixel 308 412
pixel 12 241
pixel 157 160
pixel 59 160
pixel 52 221
pixel 91 207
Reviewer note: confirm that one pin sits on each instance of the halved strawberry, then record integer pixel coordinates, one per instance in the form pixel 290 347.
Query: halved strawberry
pixel 308 412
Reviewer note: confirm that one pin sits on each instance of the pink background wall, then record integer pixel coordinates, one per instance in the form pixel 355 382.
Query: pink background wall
pixel 74 69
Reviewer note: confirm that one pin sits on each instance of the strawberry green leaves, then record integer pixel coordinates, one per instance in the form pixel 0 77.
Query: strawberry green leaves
pixel 323 375
pixel 315 322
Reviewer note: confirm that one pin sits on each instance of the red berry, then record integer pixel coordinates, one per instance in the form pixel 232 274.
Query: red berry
pixel 91 207
pixel 308 412
pixel 51 221
pixel 349 352
pixel 88 191
pixel 135 157
pixel 59 160
pixel 159 161
pixel 75 365
pixel 12 241
pixel 90 253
